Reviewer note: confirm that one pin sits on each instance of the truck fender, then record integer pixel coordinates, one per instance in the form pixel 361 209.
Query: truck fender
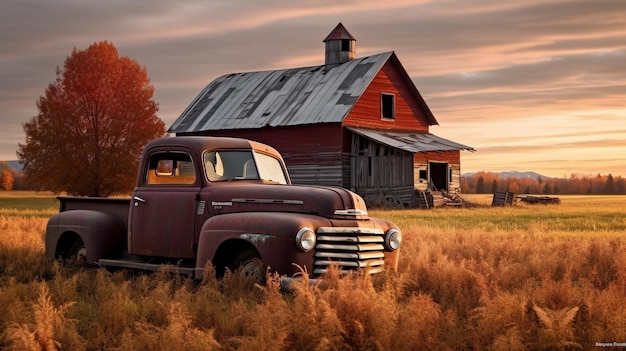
pixel 103 234
pixel 271 234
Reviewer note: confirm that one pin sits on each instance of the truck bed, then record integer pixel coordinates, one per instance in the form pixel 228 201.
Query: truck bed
pixel 118 207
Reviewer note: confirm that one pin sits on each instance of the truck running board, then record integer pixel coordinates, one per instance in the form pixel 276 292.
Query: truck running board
pixel 146 266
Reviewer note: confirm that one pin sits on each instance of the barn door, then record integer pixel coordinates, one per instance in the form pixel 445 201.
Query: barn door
pixel 439 174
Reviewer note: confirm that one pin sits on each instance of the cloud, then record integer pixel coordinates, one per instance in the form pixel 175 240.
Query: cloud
pixel 492 72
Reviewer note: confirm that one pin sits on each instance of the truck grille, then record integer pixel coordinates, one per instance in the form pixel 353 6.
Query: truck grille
pixel 350 249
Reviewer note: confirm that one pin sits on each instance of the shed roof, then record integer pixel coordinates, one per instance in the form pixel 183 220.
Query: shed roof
pixel 286 97
pixel 411 141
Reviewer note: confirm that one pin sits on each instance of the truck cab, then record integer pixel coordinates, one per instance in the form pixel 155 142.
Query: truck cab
pixel 228 202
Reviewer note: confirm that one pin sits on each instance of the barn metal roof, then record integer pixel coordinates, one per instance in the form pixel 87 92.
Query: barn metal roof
pixel 287 97
pixel 411 141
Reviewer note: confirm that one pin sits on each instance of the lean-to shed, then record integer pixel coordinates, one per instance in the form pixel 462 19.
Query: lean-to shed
pixel 358 123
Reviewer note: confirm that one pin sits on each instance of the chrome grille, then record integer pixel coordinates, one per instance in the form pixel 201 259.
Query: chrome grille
pixel 349 248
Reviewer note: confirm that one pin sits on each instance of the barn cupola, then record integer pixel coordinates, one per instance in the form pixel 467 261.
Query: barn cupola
pixel 340 46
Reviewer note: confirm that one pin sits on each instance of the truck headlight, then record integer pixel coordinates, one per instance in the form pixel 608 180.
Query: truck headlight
pixel 393 239
pixel 305 239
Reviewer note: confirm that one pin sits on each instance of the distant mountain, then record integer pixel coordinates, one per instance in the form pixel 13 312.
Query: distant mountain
pixel 513 174
pixel 15 165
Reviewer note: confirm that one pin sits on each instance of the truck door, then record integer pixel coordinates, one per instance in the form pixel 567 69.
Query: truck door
pixel 163 209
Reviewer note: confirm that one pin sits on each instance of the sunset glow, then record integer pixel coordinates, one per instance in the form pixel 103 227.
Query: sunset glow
pixel 537 85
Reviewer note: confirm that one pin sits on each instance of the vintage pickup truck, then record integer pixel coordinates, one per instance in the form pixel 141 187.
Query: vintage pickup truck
pixel 226 201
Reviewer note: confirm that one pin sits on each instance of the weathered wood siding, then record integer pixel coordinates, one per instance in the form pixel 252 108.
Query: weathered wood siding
pixel 312 153
pixel 421 162
pixel 366 112
pixel 374 165
pixel 380 174
pixel 439 156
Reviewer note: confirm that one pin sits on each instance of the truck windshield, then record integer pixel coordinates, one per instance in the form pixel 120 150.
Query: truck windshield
pixel 235 164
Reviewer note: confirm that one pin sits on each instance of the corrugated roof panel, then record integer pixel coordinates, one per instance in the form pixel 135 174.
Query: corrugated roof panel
pixel 411 141
pixel 303 112
pixel 288 97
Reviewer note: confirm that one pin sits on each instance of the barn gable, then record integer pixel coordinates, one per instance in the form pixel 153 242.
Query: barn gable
pixel 410 112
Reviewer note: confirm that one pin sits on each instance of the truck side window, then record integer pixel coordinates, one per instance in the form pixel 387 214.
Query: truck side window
pixel 170 168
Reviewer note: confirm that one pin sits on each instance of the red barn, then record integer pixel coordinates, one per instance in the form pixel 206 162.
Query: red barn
pixel 358 123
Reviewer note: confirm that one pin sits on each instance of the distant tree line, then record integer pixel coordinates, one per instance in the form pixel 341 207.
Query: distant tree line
pixel 486 182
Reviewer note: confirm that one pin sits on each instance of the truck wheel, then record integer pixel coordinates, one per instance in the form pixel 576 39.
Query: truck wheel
pixel 249 265
pixel 77 252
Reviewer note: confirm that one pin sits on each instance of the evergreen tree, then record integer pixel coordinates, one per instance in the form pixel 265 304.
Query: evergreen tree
pixel 609 186
pixel 620 186
pixel 480 186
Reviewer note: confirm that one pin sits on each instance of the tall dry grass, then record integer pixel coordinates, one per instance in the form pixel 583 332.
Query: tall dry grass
pixel 521 278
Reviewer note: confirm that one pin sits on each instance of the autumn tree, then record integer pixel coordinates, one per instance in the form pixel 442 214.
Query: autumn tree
pixel 514 188
pixel 92 124
pixel 7 176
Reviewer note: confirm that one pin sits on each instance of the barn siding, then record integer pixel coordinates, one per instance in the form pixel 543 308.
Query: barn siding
pixel 366 111
pixel 382 175
pixel 329 161
pixel 312 153
pixel 438 156
pixel 455 183
pixel 420 163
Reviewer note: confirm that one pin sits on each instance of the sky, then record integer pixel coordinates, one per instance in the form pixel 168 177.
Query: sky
pixel 532 85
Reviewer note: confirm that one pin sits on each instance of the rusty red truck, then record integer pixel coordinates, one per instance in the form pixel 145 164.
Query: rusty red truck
pixel 228 202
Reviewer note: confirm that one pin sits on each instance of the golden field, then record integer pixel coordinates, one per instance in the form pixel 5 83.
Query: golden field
pixel 527 277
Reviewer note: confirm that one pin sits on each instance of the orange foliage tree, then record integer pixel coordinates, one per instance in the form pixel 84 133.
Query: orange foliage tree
pixel 92 124
pixel 7 176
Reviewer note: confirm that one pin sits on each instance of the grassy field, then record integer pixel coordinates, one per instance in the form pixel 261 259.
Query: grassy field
pixel 19 203
pixel 527 277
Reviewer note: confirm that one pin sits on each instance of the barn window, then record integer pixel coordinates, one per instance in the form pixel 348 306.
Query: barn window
pixel 387 106
pixel 423 174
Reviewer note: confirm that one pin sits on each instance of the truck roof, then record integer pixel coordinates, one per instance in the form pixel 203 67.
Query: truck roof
pixel 211 143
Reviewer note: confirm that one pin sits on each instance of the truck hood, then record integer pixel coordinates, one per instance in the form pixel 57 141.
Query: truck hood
pixel 329 202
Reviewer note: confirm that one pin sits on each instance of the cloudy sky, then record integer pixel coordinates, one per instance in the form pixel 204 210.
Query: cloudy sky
pixel 531 84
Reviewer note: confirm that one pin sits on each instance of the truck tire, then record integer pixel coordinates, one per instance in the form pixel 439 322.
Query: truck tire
pixel 77 252
pixel 249 265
